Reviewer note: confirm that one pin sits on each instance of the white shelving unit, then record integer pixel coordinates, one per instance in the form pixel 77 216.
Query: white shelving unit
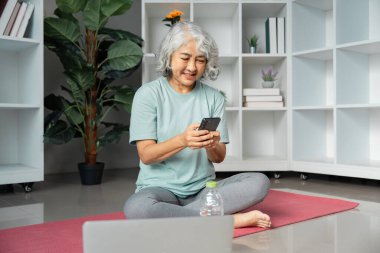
pixel 329 78
pixel 21 103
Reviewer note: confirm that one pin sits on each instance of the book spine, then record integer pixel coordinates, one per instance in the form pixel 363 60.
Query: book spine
pixel 12 19
pixel 263 104
pixel 20 16
pixel 273 35
pixel 281 35
pixel 262 98
pixel 6 15
pixel 267 37
pixel 3 3
pixel 25 20
pixel 261 92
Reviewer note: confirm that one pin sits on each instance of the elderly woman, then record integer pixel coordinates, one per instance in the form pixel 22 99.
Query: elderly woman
pixel 176 159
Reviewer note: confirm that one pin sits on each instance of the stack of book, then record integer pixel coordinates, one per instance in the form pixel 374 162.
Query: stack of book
pixel 262 98
pixel 14 17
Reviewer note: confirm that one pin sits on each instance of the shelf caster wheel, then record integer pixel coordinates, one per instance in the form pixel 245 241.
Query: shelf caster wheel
pixel 304 176
pixel 27 187
pixel 277 175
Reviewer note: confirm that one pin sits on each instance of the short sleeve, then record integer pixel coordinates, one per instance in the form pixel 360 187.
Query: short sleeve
pixel 143 124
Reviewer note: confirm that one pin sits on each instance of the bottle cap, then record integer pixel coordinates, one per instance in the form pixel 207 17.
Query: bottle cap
pixel 211 184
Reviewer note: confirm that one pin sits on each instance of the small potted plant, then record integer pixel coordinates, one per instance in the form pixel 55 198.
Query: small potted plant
pixel 269 77
pixel 253 42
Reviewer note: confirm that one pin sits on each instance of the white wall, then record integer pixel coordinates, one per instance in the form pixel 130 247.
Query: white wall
pixel 64 158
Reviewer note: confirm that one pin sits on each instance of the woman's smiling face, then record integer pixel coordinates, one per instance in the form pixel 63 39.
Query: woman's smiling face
pixel 187 66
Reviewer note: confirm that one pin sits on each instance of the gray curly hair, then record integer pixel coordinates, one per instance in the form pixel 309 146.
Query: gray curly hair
pixel 176 38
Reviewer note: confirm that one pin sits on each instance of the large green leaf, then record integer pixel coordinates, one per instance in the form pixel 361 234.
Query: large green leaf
pixel 83 78
pixel 64 15
pixel 60 104
pixel 54 103
pixel 124 97
pixel 92 15
pixel 71 6
pixel 113 135
pixel 59 133
pixel 124 54
pixel 69 54
pixel 72 113
pixel 108 74
pixel 122 35
pixel 115 7
pixel 62 29
pixel 52 118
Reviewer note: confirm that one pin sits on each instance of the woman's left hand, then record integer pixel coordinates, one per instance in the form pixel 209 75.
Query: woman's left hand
pixel 215 140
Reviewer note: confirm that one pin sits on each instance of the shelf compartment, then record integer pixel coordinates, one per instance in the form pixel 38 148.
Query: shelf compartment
pixel 228 80
pixel 315 16
pixel 149 65
pixel 357 77
pixel 313 79
pixel 351 29
pixel 21 72
pixel 153 29
pixel 358 136
pixel 264 135
pixel 234 148
pixel 21 143
pixel 222 23
pixel 254 16
pixel 252 67
pixel 313 136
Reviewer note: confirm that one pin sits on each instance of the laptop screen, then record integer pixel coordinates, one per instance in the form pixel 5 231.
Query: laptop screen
pixel 166 235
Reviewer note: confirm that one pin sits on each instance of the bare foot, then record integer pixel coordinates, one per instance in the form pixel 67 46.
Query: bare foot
pixel 253 218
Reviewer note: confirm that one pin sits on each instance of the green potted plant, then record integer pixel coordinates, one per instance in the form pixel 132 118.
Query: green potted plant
pixel 269 77
pixel 93 56
pixel 253 43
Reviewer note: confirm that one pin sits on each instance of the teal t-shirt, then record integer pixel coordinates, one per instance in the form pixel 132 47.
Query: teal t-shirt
pixel 160 113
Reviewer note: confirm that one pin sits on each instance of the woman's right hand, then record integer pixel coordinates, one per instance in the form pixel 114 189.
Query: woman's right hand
pixel 196 139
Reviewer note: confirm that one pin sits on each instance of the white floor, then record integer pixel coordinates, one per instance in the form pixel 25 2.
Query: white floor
pixel 356 231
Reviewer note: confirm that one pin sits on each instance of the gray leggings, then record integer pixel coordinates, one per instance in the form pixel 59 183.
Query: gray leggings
pixel 238 192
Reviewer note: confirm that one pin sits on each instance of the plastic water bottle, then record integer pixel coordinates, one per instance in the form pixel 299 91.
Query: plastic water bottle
pixel 212 204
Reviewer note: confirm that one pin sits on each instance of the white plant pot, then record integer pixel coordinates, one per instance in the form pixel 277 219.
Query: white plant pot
pixel 252 50
pixel 267 84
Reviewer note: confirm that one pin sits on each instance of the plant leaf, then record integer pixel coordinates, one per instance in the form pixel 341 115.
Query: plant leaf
pixel 113 135
pixel 124 54
pixel 64 15
pixel 122 35
pixel 52 118
pixel 124 97
pixel 60 104
pixel 71 6
pixel 92 15
pixel 63 30
pixel 115 7
pixel 59 133
pixel 80 80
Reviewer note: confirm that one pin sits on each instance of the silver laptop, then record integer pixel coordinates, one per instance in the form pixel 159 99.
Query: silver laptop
pixel 166 235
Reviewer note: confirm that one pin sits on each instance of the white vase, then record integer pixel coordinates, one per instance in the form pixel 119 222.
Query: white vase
pixel 252 50
pixel 267 84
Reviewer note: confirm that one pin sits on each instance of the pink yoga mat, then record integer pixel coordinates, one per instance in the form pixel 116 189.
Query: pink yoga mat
pixel 66 236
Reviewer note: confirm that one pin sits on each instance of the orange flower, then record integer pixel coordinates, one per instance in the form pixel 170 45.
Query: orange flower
pixel 173 17
pixel 174 14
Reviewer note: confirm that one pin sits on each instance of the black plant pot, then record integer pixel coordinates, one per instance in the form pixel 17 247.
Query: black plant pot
pixel 91 174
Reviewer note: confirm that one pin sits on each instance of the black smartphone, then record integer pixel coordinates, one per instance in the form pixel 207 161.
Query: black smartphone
pixel 209 124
